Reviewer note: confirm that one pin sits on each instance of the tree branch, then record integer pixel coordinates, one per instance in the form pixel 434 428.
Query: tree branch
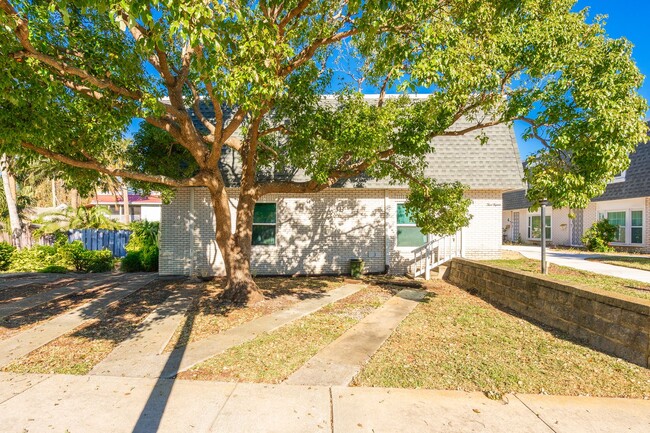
pixel 114 172
pixel 22 33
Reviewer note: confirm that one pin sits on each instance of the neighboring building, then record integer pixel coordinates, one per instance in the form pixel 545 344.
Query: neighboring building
pixel 360 218
pixel 140 207
pixel 625 203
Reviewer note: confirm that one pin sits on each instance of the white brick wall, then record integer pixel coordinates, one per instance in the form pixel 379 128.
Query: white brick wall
pixel 315 234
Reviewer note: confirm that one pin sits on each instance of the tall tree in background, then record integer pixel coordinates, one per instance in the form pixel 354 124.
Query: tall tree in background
pixel 16 230
pixel 75 74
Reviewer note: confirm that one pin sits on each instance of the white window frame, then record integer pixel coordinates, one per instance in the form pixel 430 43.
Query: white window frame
pixel 550 226
pixel 628 224
pixel 619 177
pixel 275 224
pixel 398 225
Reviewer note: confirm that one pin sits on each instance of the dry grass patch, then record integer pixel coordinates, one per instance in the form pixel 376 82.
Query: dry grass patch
pixel 14 294
pixel 209 315
pixel 80 350
pixel 26 319
pixel 457 341
pixel 272 357
pixel 642 263
pixel 569 275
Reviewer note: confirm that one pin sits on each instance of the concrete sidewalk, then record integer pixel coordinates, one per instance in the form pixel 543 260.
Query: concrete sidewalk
pixel 578 261
pixel 58 403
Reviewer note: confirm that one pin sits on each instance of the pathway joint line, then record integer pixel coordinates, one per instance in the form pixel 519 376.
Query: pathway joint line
pixel 140 355
pixel 536 414
pixel 216 416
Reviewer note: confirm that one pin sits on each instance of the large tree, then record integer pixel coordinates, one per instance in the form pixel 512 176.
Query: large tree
pixel 76 73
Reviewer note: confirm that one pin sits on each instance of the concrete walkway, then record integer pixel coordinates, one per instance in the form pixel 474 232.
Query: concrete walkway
pixel 139 356
pixel 43 403
pixel 340 361
pixel 10 308
pixel 33 338
pixel 578 261
pixel 22 279
pixel 185 357
pixel 143 356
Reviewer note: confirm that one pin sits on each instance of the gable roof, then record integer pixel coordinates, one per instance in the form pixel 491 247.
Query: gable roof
pixel 636 183
pixel 493 166
pixel 637 177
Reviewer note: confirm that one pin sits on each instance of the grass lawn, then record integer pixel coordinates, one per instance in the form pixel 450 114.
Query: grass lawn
pixel 642 263
pixel 272 357
pixel 457 341
pixel 210 316
pixel 80 350
pixel 569 275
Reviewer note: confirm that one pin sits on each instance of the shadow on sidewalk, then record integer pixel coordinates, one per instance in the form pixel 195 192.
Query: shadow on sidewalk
pixel 154 409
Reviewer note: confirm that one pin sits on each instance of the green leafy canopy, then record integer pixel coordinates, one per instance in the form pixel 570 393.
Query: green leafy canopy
pixel 74 74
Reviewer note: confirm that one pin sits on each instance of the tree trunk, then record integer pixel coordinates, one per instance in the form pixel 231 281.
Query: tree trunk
pixel 16 226
pixel 53 185
pixel 127 210
pixel 235 247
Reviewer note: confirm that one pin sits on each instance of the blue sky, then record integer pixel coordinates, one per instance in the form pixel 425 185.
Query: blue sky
pixel 626 18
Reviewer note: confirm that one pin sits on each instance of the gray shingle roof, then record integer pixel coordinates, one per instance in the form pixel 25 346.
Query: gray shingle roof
pixel 637 177
pixel 636 184
pixel 495 165
pixel 515 200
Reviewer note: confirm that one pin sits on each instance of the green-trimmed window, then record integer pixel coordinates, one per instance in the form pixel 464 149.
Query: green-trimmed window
pixel 408 234
pixel 636 233
pixel 264 224
pixel 535 227
pixel 618 219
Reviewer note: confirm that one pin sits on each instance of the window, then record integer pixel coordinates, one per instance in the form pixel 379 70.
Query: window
pixel 619 177
pixel 618 219
pixel 408 234
pixel 629 223
pixel 264 224
pixel 636 236
pixel 535 227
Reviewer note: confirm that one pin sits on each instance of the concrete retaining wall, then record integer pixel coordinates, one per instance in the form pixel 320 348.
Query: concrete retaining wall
pixel 609 322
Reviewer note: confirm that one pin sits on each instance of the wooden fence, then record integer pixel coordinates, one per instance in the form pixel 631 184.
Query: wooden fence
pixel 95 239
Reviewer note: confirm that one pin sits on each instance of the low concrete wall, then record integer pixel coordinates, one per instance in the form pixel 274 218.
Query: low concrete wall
pixel 609 322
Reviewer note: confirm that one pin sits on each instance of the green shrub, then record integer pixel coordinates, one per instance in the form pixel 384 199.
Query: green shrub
pixel 54 269
pixel 34 259
pixel 149 259
pixel 83 260
pixel 599 235
pixel 132 262
pixel 144 234
pixel 6 250
pixel 142 249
